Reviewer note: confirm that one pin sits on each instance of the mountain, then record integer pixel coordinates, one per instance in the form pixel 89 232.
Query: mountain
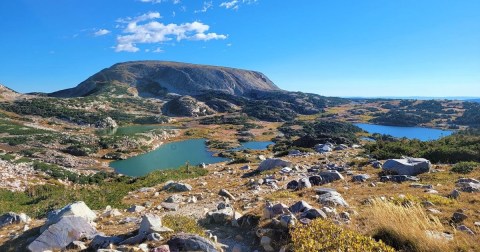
pixel 158 78
pixel 7 93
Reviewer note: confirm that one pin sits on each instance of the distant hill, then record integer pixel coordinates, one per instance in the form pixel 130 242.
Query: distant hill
pixel 158 78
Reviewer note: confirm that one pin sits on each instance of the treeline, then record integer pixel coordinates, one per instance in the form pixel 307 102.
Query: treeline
pixel 56 108
pixel 301 134
pixel 471 116
pixel 402 118
pixel 462 146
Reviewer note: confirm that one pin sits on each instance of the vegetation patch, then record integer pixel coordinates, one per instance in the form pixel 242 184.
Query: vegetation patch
pixel 322 235
pixel 465 167
pixel 406 228
pixel 461 146
pixel 37 201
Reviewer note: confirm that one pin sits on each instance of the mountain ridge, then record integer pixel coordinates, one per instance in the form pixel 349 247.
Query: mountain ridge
pixel 158 78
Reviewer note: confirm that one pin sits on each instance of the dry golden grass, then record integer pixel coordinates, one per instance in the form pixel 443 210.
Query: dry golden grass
pixel 406 227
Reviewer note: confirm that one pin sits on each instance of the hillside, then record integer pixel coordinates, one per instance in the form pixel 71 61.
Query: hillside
pixel 7 93
pixel 157 78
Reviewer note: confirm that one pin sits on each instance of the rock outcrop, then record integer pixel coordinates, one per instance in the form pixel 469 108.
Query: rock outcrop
pixel 59 235
pixel 407 166
pixel 186 106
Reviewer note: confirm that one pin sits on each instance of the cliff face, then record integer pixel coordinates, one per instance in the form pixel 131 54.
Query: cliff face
pixel 157 78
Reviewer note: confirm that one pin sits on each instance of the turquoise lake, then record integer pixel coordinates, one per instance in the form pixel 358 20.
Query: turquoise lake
pixel 176 154
pixel 167 156
pixel 423 134
pixel 254 145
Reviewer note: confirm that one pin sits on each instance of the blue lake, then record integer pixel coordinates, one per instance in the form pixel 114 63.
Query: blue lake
pixel 423 134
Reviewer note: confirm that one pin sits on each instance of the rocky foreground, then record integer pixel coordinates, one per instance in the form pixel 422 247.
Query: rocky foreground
pixel 252 207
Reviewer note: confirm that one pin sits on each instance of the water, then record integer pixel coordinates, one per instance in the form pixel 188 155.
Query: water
pixel 254 145
pixel 423 134
pixel 133 129
pixel 170 155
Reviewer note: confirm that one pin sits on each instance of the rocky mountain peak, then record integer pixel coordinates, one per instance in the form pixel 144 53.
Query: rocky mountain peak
pixel 158 78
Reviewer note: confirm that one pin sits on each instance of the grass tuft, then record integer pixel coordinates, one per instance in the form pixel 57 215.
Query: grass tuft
pixel 406 228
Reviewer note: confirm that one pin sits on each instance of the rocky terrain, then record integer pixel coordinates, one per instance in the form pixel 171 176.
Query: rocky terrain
pixel 258 203
pixel 319 187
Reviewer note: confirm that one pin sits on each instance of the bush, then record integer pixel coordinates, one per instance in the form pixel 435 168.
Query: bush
pixel 465 167
pixel 183 224
pixel 321 235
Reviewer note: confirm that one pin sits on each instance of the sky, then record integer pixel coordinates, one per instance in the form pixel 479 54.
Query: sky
pixel 329 47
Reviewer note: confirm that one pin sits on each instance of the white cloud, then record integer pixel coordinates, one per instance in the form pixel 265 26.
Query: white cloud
pixel 138 31
pixel 235 4
pixel 101 32
pixel 151 1
pixel 206 6
pixel 158 50
pixel 159 1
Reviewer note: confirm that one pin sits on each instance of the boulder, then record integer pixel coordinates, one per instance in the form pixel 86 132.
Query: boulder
pixel 102 241
pixel 330 197
pixel 221 216
pixel 407 166
pixel 190 242
pixel 225 193
pixel 300 206
pixel 398 178
pixel 152 223
pixel 136 209
pixel 323 148
pixel 175 198
pixel 77 246
pixel 316 180
pixel 377 164
pixel 60 234
pixel 13 218
pixel 330 176
pixel 287 220
pixel 266 243
pixel 273 163
pixel 465 229
pixel 162 248
pixel 459 217
pixel 292 185
pixel 77 209
pixel 304 183
pixel 271 211
pixel 177 187
pixel 169 206
pixel 468 185
pixel 360 177
pixel 313 214
pixel 111 213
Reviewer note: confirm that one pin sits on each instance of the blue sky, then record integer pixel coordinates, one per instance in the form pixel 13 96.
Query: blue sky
pixel 334 47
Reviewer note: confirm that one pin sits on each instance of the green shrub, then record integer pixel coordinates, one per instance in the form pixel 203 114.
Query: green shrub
pixel 322 235
pixel 465 167
pixel 180 223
